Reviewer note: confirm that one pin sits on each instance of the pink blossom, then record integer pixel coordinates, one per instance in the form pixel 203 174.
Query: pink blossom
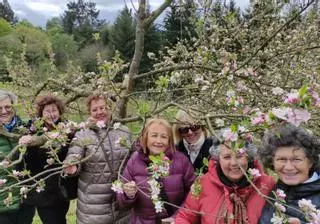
pixel 228 135
pixel 249 137
pixel 53 135
pixel 242 151
pixel 246 110
pixel 280 193
pixel 255 173
pixel 2 182
pixel 280 206
pixel 297 116
pixel 281 113
pixel 4 163
pixel 292 98
pixel 260 119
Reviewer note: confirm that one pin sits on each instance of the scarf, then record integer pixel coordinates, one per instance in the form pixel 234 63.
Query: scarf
pixel 9 127
pixel 239 214
pixel 194 149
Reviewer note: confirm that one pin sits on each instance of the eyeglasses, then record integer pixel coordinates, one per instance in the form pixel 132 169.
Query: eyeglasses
pixel 7 108
pixel 283 161
pixel 193 128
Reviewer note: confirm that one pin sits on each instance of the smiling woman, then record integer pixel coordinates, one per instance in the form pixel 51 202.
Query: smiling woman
pixel 293 154
pixel 156 138
pixel 235 199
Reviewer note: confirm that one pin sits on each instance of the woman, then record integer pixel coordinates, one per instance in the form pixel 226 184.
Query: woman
pixel 293 154
pixel 103 158
pixel 225 195
pixel 191 138
pixel 9 123
pixel 50 204
pixel 156 138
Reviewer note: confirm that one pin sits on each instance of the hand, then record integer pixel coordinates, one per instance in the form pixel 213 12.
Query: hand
pixel 130 189
pixel 168 220
pixel 293 221
pixel 26 140
pixel 71 169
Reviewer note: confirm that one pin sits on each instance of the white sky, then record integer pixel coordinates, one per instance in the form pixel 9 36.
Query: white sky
pixel 39 11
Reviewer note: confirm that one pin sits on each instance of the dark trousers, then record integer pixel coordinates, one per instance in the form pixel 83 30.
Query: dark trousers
pixel 9 218
pixel 55 214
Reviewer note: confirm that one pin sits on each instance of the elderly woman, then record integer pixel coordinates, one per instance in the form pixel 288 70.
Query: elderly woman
pixel 191 138
pixel 98 145
pixel 293 154
pixel 51 206
pixel 224 194
pixel 156 138
pixel 9 123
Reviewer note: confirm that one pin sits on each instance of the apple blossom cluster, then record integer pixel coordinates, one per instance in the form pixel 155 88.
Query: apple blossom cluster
pixel 312 214
pixel 158 168
pixel 254 173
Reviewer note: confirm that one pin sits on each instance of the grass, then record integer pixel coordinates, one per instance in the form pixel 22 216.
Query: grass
pixel 71 216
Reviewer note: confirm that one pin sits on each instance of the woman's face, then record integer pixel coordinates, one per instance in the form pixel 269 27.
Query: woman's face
pixel 50 113
pixel 157 138
pixel 6 111
pixel 230 163
pixel 99 110
pixel 291 165
pixel 191 133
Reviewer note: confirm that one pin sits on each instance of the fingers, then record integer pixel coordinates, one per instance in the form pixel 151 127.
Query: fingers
pixel 293 221
pixel 25 140
pixel 130 189
pixel 70 169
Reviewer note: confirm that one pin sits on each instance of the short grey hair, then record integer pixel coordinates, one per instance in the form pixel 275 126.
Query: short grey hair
pixel 4 94
pixel 251 151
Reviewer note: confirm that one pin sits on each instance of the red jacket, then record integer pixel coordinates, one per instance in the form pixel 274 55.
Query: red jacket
pixel 215 194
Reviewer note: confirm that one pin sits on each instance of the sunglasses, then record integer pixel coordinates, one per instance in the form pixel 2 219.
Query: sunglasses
pixel 193 128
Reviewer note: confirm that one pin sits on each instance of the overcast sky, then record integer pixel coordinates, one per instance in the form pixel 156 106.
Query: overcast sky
pixel 39 11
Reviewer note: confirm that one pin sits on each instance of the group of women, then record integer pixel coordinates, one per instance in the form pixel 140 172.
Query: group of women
pixel 226 192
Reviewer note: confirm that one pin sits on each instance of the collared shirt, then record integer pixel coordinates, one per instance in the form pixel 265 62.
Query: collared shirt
pixel 194 149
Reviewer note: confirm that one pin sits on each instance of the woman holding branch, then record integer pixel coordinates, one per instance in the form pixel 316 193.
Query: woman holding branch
pixel 225 194
pixel 145 191
pixel 293 154
pixel 99 154
pixel 51 206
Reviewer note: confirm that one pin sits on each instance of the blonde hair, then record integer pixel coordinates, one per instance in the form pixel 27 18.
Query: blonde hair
pixel 184 119
pixel 158 121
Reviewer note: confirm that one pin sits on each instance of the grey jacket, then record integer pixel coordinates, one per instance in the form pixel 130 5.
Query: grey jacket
pixel 96 201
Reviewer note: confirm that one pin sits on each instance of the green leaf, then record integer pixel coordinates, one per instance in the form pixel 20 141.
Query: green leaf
pixel 303 90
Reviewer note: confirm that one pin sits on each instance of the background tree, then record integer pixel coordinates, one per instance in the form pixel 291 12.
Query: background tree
pixel 7 13
pixel 81 20
pixel 179 22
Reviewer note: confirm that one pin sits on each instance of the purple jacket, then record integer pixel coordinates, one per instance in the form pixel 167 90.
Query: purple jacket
pixel 176 186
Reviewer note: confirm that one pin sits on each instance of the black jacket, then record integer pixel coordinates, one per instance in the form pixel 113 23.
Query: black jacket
pixel 308 191
pixel 204 152
pixel 36 162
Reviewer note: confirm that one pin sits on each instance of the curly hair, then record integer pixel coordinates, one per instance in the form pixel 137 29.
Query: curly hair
pixel 96 97
pixel 289 136
pixel 43 101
